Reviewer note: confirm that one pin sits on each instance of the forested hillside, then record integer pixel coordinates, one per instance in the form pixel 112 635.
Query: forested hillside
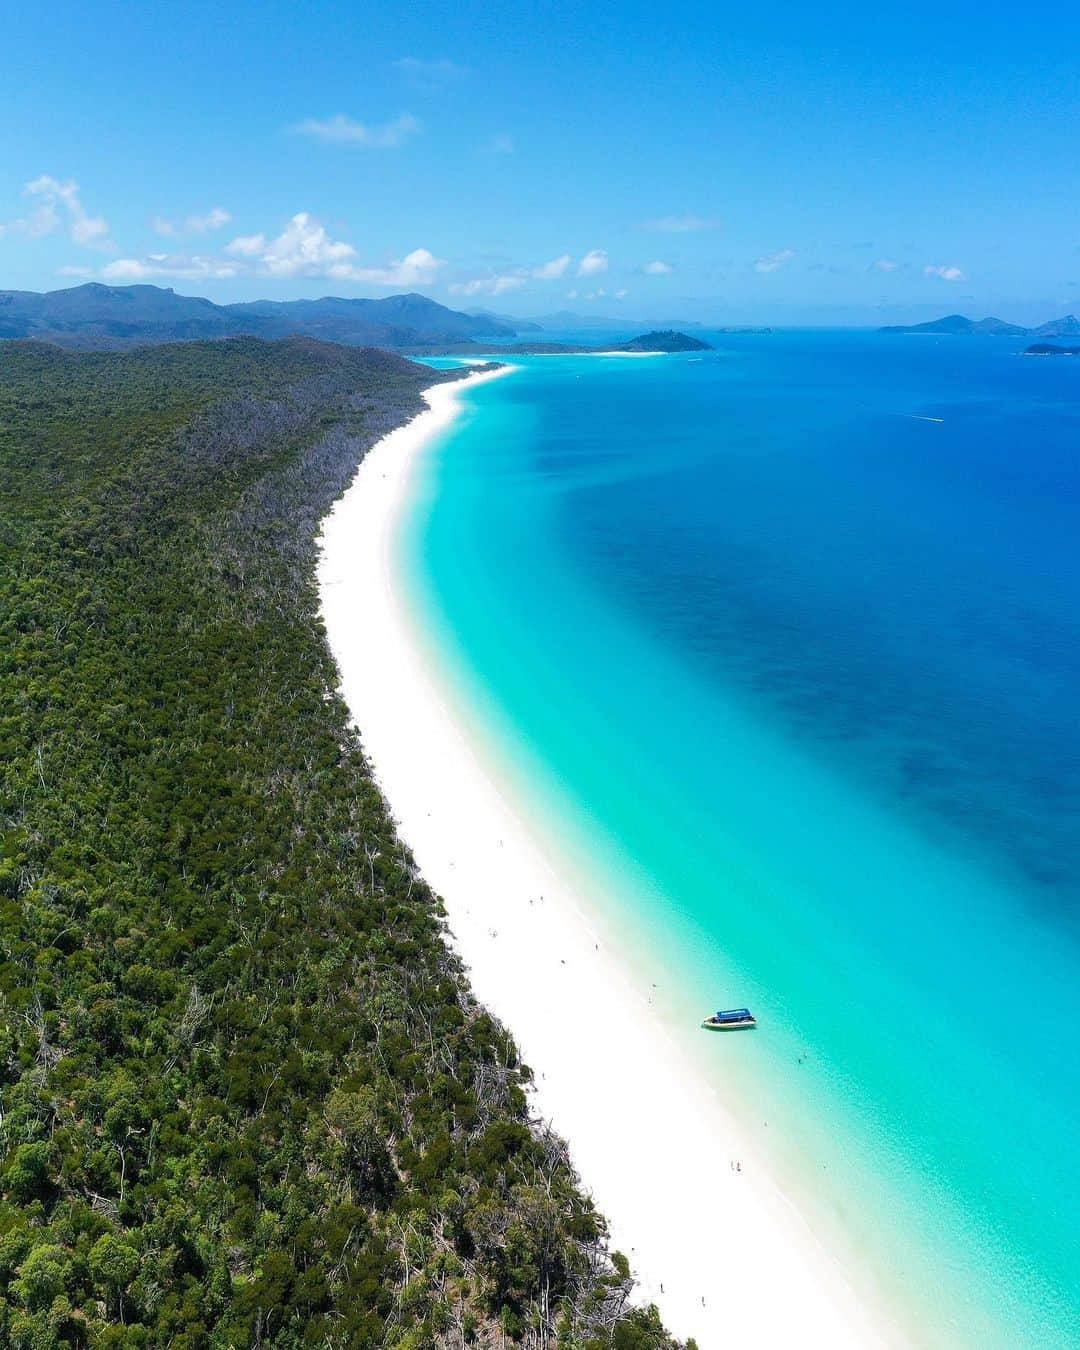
pixel 246 1096
pixel 96 317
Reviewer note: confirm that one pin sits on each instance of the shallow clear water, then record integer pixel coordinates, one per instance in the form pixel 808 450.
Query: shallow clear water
pixel 784 642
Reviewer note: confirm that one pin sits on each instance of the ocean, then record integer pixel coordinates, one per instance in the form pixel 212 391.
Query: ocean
pixel 782 642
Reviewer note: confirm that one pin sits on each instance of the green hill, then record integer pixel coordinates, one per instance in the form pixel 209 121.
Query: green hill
pixel 98 317
pixel 664 341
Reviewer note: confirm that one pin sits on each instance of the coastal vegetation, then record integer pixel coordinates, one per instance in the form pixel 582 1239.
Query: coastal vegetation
pixel 246 1097
pixel 665 340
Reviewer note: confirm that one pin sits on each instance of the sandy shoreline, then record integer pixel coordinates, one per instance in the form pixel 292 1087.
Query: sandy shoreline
pixel 721 1251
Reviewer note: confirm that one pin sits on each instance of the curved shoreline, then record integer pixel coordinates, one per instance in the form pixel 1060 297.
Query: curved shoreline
pixel 723 1253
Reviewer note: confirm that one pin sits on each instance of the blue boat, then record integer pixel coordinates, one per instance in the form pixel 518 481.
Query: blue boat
pixel 733 1019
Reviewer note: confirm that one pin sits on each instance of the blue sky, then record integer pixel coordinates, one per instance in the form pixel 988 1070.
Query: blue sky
pixel 787 163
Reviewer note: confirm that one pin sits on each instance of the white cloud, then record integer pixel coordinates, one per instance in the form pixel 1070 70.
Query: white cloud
pixel 154 265
pixel 553 270
pixel 945 273
pixel 771 261
pixel 302 249
pixel 305 249
pixel 84 228
pixel 72 271
pixel 886 265
pixel 508 281
pixel 513 278
pixel 621 294
pixel 56 201
pixel 596 260
pixel 687 224
pixel 41 222
pixel 215 219
pixel 417 268
pixel 341 130
pixel 658 268
pixel 247 245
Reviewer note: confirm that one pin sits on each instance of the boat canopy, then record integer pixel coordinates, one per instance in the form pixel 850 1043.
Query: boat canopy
pixel 732 1014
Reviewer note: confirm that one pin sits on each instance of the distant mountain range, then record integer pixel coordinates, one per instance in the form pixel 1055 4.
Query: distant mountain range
pixel 960 324
pixel 506 320
pixel 97 316
pixel 666 340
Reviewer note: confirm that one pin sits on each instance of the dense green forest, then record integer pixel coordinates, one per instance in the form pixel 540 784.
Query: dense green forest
pixel 246 1097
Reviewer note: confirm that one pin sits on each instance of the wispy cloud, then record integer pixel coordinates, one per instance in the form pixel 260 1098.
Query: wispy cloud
pixel 430 76
pixel 157 265
pixel 553 270
pixel 886 265
pixel 595 261
pixel 512 278
pixel 57 203
pixel 944 273
pixel 770 262
pixel 598 294
pixel 498 145
pixel 247 245
pixel 496 285
pixel 342 130
pixel 658 268
pixel 214 219
pixel 687 224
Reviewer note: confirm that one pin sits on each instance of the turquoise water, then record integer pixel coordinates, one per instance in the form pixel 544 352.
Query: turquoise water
pixel 783 645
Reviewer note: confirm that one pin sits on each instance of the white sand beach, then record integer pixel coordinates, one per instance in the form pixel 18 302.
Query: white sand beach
pixel 612 353
pixel 712 1240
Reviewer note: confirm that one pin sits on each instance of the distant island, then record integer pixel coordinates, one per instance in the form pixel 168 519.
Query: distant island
pixel 961 325
pixel 1049 349
pixel 666 341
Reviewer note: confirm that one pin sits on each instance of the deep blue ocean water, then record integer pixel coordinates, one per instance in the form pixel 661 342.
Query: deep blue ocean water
pixel 785 639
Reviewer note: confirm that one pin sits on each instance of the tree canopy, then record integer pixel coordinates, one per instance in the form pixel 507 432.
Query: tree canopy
pixel 246 1097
